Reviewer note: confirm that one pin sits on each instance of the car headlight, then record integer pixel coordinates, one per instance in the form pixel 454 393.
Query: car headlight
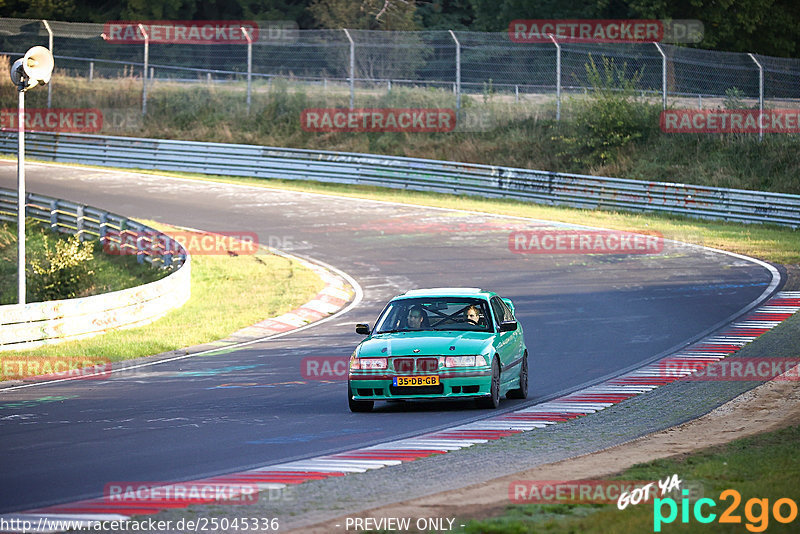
pixel 368 363
pixel 464 361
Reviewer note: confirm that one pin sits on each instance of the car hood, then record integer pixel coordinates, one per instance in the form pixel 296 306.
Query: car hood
pixel 428 343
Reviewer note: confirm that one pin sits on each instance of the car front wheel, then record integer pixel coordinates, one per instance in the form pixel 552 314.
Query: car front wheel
pixel 493 400
pixel 522 391
pixel 358 405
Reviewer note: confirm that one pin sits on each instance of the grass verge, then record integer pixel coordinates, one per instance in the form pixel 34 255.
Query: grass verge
pixel 228 293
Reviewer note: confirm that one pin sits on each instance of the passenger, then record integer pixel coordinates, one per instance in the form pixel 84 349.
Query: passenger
pixel 416 318
pixel 473 315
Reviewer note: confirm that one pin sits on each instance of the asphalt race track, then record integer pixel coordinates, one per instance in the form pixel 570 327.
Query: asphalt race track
pixel 585 317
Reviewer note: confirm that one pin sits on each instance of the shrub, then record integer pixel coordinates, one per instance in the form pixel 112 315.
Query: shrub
pixel 60 269
pixel 610 118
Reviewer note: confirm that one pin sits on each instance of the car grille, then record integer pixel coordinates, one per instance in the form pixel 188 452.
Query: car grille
pixel 404 365
pixel 423 365
pixel 428 365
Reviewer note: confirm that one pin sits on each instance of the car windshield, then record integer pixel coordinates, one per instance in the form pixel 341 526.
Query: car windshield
pixel 435 313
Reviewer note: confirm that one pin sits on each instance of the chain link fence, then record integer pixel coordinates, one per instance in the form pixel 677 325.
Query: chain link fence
pixel 481 65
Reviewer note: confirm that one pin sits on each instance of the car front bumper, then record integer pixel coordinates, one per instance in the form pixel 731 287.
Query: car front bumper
pixel 455 384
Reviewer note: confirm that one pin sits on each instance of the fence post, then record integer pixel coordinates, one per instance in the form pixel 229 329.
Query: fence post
pixel 558 76
pixel 352 67
pixel 458 70
pixel 249 65
pixel 663 76
pixel 50 46
pixel 144 70
pixel 760 97
pixel 91 70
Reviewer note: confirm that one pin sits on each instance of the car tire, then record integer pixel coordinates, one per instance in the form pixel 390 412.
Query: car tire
pixel 358 406
pixel 493 400
pixel 522 391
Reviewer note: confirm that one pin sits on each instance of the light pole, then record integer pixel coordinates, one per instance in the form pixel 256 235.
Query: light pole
pixel 35 68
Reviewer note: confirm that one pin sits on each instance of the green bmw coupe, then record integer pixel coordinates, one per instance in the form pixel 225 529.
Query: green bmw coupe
pixel 442 343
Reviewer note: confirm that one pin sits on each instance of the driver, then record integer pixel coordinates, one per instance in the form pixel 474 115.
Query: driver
pixel 416 317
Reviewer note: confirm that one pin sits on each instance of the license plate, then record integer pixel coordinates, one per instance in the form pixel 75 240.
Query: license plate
pixel 404 381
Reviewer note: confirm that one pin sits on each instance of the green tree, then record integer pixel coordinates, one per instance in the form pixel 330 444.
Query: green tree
pixel 769 27
pixel 495 15
pixel 50 9
pixel 446 14
pixel 164 10
pixel 365 14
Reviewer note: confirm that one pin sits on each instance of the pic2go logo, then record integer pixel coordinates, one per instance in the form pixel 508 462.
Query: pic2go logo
pixel 783 511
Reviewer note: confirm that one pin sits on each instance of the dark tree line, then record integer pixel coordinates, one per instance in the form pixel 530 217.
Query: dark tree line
pixel 770 27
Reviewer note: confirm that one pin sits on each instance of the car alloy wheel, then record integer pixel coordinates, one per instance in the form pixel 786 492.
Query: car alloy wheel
pixel 522 391
pixel 493 400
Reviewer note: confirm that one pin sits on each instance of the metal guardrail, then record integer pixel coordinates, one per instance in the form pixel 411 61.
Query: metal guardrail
pixel 38 323
pixel 113 231
pixel 551 188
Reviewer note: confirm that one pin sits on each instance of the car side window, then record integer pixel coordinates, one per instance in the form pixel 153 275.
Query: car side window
pixel 497 310
pixel 509 315
pixel 501 311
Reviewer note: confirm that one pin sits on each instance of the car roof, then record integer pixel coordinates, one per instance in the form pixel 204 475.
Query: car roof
pixel 448 292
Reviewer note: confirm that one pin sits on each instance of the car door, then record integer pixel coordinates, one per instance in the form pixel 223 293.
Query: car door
pixel 509 344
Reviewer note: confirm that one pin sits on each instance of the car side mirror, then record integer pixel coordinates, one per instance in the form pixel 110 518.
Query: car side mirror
pixel 508 326
pixel 362 329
